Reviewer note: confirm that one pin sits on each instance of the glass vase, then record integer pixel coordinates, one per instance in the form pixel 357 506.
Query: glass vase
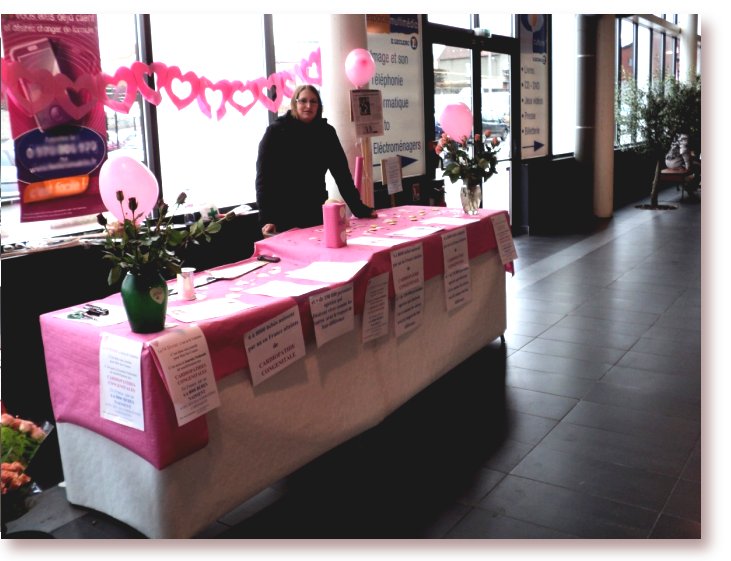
pixel 145 299
pixel 471 197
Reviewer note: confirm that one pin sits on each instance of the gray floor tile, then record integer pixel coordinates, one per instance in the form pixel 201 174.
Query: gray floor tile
pixel 685 501
pixel 669 527
pixel 567 511
pixel 595 477
pixel 538 403
pixel 483 524
pixel 632 451
pixel 559 365
pixel 547 382
pixel 590 353
pixel 526 428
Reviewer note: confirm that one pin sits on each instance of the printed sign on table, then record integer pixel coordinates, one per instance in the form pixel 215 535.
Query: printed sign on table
pixel 375 308
pixel 186 365
pixel 457 282
pixel 120 384
pixel 274 345
pixel 332 313
pixel 407 264
pixel 504 238
pixel 409 310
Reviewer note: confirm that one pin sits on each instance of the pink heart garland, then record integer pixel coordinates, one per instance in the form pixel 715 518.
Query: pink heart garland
pixel 223 86
pixel 173 73
pixel 140 70
pixel 125 75
pixel 272 81
pixel 15 72
pixel 62 84
pixel 305 66
pixel 285 76
pixel 237 86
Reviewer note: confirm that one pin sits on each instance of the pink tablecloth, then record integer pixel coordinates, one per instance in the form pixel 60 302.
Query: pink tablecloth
pixel 72 348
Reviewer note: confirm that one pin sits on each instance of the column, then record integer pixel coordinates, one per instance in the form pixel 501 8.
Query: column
pixel 604 125
pixel 688 47
pixel 347 32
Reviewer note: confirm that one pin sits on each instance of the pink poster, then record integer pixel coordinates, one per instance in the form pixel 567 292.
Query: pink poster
pixel 59 146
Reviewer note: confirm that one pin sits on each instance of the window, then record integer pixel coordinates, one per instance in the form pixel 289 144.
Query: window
pixel 563 68
pixel 212 160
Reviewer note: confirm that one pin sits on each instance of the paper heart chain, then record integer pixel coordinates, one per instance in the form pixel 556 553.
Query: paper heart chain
pixel 118 92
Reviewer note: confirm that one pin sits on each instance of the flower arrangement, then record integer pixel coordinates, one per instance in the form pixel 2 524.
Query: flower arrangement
pixel 458 164
pixel 150 245
pixel 20 440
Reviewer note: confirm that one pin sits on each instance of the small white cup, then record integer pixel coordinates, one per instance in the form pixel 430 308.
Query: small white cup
pixel 186 288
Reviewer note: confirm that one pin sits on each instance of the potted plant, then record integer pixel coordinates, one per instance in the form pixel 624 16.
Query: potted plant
pixel 649 121
pixel 472 170
pixel 145 249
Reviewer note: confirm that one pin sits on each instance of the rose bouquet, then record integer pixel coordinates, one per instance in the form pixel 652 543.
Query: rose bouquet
pixel 20 440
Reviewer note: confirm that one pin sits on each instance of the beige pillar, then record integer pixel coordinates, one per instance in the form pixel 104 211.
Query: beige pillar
pixel 347 32
pixel 688 47
pixel 604 127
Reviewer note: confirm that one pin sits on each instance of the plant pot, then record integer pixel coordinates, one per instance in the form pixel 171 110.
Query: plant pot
pixel 471 196
pixel 145 299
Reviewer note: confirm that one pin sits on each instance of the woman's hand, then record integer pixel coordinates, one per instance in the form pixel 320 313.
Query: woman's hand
pixel 268 230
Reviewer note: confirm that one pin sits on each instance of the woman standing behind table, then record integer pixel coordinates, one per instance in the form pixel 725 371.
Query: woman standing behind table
pixel 294 154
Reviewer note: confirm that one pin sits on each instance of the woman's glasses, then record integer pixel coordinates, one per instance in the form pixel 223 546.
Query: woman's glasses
pixel 307 101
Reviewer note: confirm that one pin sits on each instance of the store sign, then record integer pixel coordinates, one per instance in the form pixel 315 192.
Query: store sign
pixel 533 86
pixel 394 41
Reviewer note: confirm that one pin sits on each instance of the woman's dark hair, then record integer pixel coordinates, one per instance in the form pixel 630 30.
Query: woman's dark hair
pixel 295 96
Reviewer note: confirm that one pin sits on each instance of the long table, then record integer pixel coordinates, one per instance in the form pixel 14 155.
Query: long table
pixel 170 481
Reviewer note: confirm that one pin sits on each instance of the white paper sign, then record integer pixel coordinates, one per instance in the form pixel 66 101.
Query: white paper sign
pixel 408 268
pixel 186 364
pixel 375 308
pixel 504 238
pixel 457 282
pixel 391 170
pixel 274 345
pixel 409 310
pixel 332 313
pixel 120 383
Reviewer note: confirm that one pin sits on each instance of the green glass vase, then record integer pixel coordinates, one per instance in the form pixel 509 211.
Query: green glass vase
pixel 145 299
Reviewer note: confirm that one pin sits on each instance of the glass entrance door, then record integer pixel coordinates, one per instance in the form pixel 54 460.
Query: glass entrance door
pixel 480 79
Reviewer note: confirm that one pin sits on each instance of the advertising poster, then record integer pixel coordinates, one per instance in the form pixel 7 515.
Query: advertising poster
pixel 58 126
pixel 533 86
pixel 394 41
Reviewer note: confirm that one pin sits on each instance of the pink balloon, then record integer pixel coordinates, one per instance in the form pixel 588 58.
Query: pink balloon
pixel 456 120
pixel 359 67
pixel 123 173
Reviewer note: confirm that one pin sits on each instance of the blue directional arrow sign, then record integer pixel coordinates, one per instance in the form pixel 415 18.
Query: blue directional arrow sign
pixel 405 161
pixel 536 146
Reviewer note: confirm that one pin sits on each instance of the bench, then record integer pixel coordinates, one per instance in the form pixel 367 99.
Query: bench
pixel 680 177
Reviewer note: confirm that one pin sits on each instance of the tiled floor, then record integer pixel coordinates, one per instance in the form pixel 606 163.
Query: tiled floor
pixel 586 424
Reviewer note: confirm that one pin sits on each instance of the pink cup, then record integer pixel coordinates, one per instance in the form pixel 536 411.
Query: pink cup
pixel 334 224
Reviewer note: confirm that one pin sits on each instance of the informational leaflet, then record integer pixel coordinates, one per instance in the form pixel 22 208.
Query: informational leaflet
pixel 283 289
pixel 274 345
pixel 332 313
pixel 375 308
pixel 377 241
pixel 451 220
pixel 207 309
pixel 416 232
pixel 504 238
pixel 186 364
pixel 120 382
pixel 457 282
pixel 328 271
pixel 409 310
pixel 407 264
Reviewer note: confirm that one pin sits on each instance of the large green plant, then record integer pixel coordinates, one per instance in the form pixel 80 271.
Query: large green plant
pixel 650 119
